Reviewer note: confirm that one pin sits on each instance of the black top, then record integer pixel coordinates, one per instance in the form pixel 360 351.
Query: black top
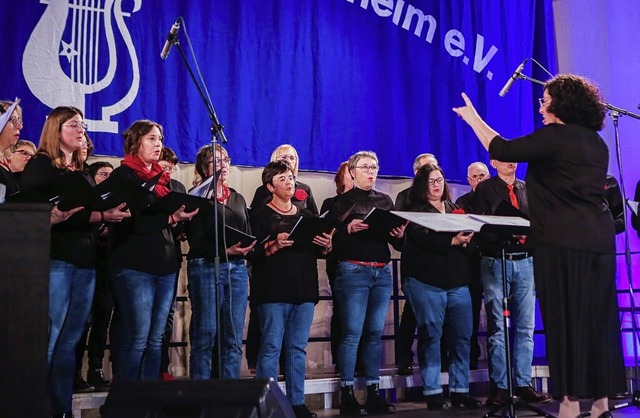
pixel 145 241
pixel 614 200
pixel 565 177
pixel 73 240
pixel 351 246
pixel 429 257
pixel 302 197
pixel 403 200
pixel 466 202
pixel 200 230
pixel 635 220
pixel 9 180
pixel 290 275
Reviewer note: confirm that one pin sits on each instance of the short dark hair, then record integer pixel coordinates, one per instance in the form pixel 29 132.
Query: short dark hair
pixel 273 169
pixel 93 168
pixel 169 156
pixel 419 192
pixel 575 100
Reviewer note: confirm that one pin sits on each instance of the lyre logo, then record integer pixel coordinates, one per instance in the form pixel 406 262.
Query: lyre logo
pixel 64 60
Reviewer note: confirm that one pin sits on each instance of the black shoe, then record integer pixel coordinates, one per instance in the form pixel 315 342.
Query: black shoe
pixel 436 402
pixel 302 411
pixel 349 405
pixel 96 378
pixel 606 414
pixel 80 385
pixel 498 397
pixel 527 394
pixel 376 403
pixel 405 371
pixel 458 399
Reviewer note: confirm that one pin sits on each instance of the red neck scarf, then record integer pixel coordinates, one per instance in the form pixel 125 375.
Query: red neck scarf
pixel 135 163
pixel 225 194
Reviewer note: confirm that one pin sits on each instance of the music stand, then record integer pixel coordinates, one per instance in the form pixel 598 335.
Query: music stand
pixel 503 235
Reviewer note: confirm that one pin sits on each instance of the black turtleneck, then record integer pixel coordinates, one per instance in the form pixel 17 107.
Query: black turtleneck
pixel 358 203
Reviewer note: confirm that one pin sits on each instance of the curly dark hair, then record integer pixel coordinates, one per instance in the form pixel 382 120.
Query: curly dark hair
pixel 419 192
pixel 575 100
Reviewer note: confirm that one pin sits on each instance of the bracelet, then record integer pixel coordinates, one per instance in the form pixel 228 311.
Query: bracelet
pixel 173 220
pixel 101 217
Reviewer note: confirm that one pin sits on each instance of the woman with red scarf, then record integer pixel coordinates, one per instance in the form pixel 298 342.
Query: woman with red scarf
pixel 144 259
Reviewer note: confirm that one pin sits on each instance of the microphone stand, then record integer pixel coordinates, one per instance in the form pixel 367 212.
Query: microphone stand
pixel 615 114
pixel 216 134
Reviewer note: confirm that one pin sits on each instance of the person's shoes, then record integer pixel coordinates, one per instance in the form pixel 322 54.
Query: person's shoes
pixel 463 399
pixel 376 403
pixel 498 397
pixel 80 385
pixel 96 378
pixel 349 405
pixel 302 411
pixel 167 377
pixel 606 414
pixel 436 402
pixel 405 370
pixel 527 394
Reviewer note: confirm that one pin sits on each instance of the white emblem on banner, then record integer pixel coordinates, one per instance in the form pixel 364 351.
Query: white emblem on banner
pixel 89 26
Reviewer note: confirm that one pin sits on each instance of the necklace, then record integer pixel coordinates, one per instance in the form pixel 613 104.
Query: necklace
pixel 280 210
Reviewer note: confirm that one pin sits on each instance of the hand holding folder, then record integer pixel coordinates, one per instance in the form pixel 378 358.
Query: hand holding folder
pixel 379 224
pixel 308 228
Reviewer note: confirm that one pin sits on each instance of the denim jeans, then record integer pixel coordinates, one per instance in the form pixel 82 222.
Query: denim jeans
pixel 432 305
pixel 291 324
pixel 143 301
pixel 234 279
pixel 70 296
pixel 362 294
pixel 521 295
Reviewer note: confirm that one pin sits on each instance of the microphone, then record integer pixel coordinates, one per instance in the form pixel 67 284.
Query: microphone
pixel 516 74
pixel 169 43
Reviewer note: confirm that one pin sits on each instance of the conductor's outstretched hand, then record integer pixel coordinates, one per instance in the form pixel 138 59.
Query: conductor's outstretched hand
pixel 468 111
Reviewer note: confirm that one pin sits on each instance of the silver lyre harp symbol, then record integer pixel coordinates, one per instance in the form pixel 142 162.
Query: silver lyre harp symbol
pixel 91 25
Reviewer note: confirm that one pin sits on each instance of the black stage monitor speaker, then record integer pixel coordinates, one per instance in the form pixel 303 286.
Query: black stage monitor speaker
pixel 246 398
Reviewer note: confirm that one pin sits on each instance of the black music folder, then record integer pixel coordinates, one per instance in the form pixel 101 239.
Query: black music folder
pixel 380 222
pixel 308 227
pixel 234 236
pixel 116 190
pixel 172 202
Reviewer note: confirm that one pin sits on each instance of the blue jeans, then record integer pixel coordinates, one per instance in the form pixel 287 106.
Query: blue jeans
pixel 362 294
pixel 289 323
pixel 521 294
pixel 432 305
pixel 143 302
pixel 70 297
pixel 234 279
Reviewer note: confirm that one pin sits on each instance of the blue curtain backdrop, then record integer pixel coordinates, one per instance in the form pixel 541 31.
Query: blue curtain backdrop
pixel 330 77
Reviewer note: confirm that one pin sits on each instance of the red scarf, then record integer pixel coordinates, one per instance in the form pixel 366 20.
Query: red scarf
pixel 135 163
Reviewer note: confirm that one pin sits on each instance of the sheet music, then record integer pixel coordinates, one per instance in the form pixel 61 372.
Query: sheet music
pixel 633 205
pixel 448 222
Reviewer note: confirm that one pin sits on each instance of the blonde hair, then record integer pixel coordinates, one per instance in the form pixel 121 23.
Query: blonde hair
pixel 275 156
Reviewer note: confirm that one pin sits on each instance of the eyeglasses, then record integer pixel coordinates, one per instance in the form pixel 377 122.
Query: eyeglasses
pixel 24 153
pixel 284 179
pixel 170 168
pixel 76 125
pixel 477 177
pixel 439 180
pixel 226 161
pixel 542 102
pixel 368 168
pixel 103 174
pixel 15 121
pixel 291 158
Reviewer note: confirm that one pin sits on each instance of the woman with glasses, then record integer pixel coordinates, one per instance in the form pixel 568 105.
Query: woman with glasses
pixel 302 196
pixel 16 157
pixel 233 274
pixel 144 260
pixel 436 273
pixel 363 284
pixel 573 239
pixel 285 280
pixel 73 249
pixel 9 135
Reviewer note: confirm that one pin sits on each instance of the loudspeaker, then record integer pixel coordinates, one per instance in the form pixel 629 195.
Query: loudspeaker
pixel 250 398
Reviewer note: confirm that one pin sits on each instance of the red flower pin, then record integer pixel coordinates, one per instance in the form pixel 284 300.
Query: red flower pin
pixel 458 211
pixel 300 195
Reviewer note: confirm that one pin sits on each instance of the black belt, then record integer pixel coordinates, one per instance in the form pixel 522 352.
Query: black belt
pixel 508 256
